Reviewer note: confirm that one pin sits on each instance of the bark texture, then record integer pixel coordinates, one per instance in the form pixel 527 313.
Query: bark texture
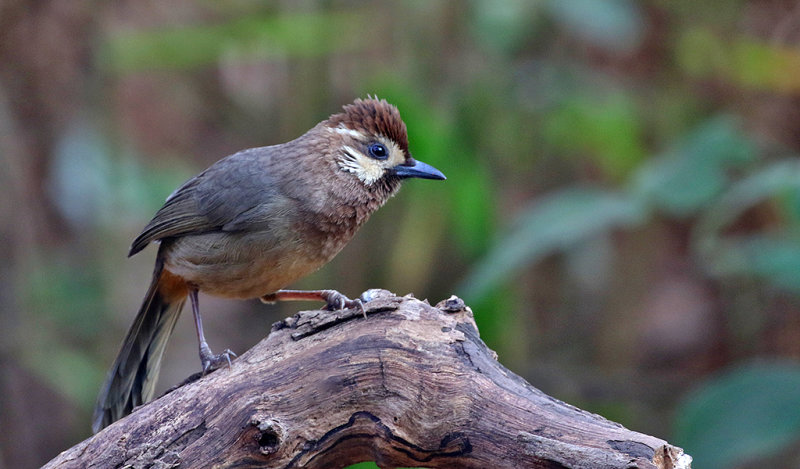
pixel 411 385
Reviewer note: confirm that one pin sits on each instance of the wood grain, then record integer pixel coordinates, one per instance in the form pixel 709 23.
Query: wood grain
pixel 410 386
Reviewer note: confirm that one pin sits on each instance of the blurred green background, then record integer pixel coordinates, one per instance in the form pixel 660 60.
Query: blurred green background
pixel 622 209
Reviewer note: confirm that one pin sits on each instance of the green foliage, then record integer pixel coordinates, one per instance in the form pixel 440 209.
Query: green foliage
pixel 498 325
pixel 685 181
pixel 773 256
pixel 65 302
pixel 296 35
pixel 748 62
pixel 509 99
pixel 745 414
pixel 71 371
pixel 713 177
pixel 605 127
pixel 549 225
pixel 70 299
pixel 368 465
pixel 774 260
pixel 436 139
pixel 363 465
pixel 506 25
pixel 692 174
pixel 778 179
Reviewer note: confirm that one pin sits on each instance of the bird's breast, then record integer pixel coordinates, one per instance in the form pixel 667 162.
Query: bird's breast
pixel 251 264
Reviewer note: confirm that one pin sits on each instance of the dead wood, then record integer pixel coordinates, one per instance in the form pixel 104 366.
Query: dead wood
pixel 411 385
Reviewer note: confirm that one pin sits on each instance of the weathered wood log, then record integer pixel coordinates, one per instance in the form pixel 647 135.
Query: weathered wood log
pixel 411 385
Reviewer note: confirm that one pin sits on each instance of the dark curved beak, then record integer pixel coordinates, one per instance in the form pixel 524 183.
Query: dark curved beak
pixel 417 169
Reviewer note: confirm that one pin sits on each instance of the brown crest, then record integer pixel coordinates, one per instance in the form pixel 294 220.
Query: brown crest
pixel 373 116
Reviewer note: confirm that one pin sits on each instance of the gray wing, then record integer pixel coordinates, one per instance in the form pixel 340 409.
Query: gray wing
pixel 236 193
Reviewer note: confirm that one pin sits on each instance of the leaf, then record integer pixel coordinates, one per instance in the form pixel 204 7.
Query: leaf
pixel 747 413
pixel 548 226
pixel 774 179
pixel 690 176
pixel 774 258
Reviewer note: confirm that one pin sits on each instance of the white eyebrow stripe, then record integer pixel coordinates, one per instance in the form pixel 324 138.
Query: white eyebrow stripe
pixel 348 132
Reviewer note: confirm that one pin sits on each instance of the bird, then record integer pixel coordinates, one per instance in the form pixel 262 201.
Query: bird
pixel 250 225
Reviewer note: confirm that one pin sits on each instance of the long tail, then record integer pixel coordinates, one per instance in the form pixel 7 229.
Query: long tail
pixel 131 380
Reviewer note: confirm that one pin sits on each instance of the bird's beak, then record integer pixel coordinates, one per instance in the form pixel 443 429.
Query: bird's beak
pixel 417 169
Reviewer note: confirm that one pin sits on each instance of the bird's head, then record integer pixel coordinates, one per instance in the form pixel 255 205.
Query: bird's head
pixel 374 144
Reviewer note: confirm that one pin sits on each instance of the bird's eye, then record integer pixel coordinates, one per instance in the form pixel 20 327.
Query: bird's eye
pixel 378 151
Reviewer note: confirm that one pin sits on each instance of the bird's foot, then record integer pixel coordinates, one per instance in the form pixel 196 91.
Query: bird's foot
pixel 336 301
pixel 211 361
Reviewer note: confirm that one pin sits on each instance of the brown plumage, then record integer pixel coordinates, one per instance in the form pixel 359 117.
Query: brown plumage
pixel 254 222
pixel 374 117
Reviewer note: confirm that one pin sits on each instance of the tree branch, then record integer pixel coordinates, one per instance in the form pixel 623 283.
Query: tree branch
pixel 412 385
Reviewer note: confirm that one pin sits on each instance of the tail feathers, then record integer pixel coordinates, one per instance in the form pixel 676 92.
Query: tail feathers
pixel 132 378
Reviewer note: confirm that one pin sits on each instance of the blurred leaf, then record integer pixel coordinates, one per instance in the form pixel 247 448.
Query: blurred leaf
pixel 419 235
pixel 690 176
pixel 500 328
pixel 504 24
pixel 764 65
pixel 70 297
pixel 789 204
pixel 303 35
pixel 702 53
pixel 605 127
pixel 551 224
pixel 775 260
pixel 71 372
pixel 467 199
pixel 473 202
pixel 745 414
pixel 614 24
pixel 771 257
pixel 781 177
pixel 746 62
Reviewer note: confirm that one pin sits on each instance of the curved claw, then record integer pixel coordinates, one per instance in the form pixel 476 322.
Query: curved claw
pixel 360 306
pixel 337 301
pixel 212 362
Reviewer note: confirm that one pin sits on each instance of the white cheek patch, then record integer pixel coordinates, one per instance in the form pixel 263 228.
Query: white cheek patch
pixel 396 155
pixel 353 161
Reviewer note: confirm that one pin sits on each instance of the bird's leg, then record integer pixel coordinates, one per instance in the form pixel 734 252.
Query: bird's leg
pixel 332 298
pixel 210 361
